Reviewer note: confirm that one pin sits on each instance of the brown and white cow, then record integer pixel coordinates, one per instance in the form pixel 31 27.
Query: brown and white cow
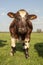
pixel 21 28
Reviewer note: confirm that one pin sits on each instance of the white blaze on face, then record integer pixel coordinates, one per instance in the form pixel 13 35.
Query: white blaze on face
pixel 22 13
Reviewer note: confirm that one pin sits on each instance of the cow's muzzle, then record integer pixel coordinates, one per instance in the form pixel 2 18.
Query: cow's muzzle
pixel 22 30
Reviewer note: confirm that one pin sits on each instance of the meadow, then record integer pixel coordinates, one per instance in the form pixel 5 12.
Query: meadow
pixel 35 51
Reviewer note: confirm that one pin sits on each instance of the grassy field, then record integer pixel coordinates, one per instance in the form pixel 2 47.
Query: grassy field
pixel 35 51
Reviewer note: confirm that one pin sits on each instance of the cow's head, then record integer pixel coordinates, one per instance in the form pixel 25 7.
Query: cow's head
pixel 21 18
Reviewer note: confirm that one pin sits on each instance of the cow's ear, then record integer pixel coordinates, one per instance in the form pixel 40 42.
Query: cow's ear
pixel 31 17
pixel 11 15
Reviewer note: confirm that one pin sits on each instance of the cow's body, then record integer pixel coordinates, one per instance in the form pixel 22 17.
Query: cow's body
pixel 21 28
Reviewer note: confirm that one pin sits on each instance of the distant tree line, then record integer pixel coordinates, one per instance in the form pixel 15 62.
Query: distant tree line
pixel 39 30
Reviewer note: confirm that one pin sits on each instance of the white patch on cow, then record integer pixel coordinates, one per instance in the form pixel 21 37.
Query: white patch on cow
pixel 22 13
pixel 11 53
pixel 13 41
pixel 26 44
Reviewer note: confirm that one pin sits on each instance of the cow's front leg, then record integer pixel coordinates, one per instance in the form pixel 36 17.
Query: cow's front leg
pixel 13 46
pixel 26 47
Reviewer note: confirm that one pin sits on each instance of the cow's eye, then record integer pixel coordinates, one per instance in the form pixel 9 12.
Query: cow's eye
pixel 18 19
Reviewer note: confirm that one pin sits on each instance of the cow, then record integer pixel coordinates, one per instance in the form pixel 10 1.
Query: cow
pixel 21 29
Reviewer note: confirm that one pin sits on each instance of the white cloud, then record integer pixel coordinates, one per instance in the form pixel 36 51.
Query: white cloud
pixel 2 14
pixel 37 11
pixel 41 17
pixel 2 9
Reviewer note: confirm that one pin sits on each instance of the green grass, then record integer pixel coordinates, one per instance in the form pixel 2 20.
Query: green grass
pixel 35 51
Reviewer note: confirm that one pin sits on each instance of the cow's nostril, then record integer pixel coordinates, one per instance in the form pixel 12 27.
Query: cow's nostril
pixel 19 28
pixel 23 29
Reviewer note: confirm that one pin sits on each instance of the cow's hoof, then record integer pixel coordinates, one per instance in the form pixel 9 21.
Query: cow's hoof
pixel 27 56
pixel 11 54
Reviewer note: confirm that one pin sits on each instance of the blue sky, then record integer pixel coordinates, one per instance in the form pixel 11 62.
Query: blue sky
pixel 32 6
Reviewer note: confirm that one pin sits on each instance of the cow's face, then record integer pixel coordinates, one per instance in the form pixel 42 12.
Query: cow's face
pixel 21 18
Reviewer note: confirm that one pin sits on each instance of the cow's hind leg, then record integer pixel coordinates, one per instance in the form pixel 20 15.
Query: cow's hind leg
pixel 26 47
pixel 13 46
